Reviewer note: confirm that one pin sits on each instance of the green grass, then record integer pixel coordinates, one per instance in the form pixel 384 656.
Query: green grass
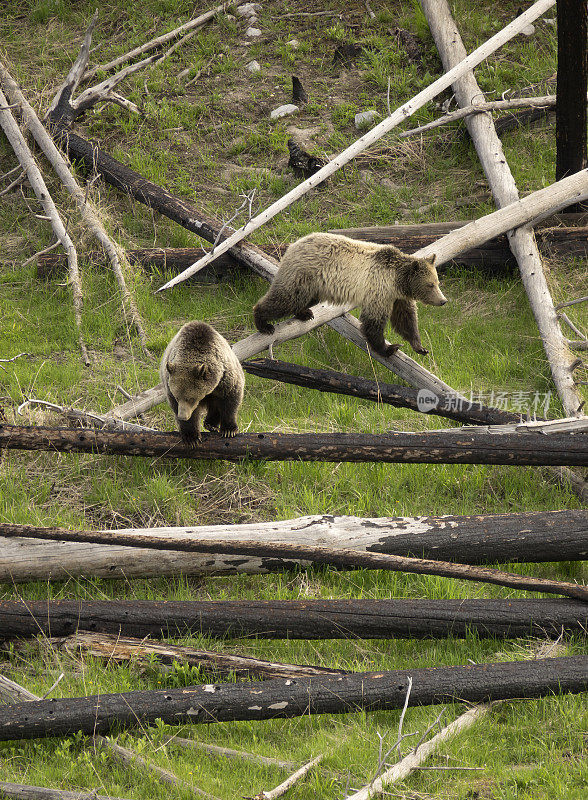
pixel 209 143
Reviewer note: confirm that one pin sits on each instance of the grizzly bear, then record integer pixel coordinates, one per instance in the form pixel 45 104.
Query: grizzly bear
pixel 327 267
pixel 203 380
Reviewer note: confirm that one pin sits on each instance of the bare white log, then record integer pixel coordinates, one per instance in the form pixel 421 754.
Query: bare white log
pixel 413 761
pixel 158 42
pixel 14 692
pixel 504 189
pixel 27 162
pixel 477 108
pixel 283 787
pixel 402 113
pixel 86 208
pixel 451 538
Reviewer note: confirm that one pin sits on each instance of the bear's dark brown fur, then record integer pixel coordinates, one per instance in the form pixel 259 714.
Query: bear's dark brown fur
pixel 203 381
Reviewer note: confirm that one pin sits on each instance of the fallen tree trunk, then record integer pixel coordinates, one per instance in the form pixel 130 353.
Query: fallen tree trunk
pixel 504 189
pixel 22 791
pixel 280 698
pixel 53 266
pixel 446 447
pixel 534 536
pixel 295 619
pixel 139 651
pixel 492 257
pixel 326 380
pixel 335 557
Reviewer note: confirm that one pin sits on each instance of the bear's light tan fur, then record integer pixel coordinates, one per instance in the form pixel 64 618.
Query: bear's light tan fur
pixel 203 381
pixel 327 267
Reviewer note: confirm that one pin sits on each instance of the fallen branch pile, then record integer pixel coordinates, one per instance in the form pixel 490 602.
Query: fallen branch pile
pixel 295 619
pixel 431 447
pixel 280 698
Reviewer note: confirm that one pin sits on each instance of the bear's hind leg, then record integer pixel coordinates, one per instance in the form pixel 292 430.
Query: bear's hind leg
pixel 404 321
pixel 305 314
pixel 373 330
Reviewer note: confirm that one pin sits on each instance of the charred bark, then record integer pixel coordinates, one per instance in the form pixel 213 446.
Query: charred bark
pixel 286 698
pixel 443 447
pixel 572 77
pixel 295 619
pixel 326 380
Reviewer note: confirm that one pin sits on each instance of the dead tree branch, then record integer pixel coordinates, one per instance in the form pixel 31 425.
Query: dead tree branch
pixel 504 189
pixel 27 162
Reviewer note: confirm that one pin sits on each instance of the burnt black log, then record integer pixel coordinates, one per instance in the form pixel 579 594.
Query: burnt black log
pixel 441 447
pixel 295 619
pixel 572 77
pixel 286 698
pixel 326 380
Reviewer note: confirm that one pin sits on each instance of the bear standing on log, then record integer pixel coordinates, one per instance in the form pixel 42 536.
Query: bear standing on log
pixel 203 381
pixel 327 267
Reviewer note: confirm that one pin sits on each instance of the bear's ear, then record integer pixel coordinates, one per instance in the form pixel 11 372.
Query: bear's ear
pixel 170 368
pixel 431 259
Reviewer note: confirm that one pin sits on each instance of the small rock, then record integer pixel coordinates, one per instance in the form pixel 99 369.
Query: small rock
pixel 253 66
pixel 552 21
pixel 247 9
pixel 283 111
pixel 365 118
pixel 528 31
pixel 293 43
pixel 252 32
pixel 390 185
pixel 231 18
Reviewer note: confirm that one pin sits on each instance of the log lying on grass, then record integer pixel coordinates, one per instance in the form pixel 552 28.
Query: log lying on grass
pixel 534 536
pixel 443 447
pixel 140 651
pixel 568 239
pixel 327 380
pixel 494 256
pixel 295 619
pixel 324 556
pixel 285 698
pixel 21 791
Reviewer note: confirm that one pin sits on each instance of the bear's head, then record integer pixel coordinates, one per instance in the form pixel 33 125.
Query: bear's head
pixel 190 383
pixel 418 280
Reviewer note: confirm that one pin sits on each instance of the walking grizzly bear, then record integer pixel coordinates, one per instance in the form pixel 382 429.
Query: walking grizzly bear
pixel 326 267
pixel 203 380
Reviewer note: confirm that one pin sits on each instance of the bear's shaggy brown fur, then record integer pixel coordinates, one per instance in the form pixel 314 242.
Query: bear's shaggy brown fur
pixel 203 380
pixel 326 267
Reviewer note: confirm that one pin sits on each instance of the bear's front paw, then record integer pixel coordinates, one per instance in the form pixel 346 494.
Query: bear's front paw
pixel 266 327
pixel 305 315
pixel 392 348
pixel 420 349
pixel 191 439
pixel 229 432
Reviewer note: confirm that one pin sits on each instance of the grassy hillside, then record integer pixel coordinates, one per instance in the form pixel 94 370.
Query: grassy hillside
pixel 211 140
